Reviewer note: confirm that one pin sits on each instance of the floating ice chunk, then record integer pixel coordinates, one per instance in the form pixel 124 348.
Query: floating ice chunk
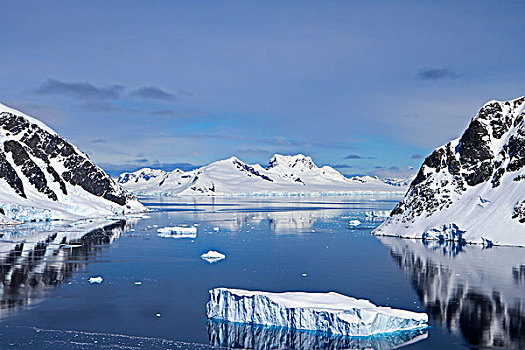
pixel 177 232
pixel 354 222
pixel 304 274
pixel 138 283
pixel 448 232
pixel 138 216
pixel 213 256
pixel 331 313
pixel 158 315
pixel 97 279
pixel 216 229
pixel 377 214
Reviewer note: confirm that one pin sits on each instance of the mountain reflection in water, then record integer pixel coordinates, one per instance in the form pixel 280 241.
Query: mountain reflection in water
pixel 36 257
pixel 245 336
pixel 479 293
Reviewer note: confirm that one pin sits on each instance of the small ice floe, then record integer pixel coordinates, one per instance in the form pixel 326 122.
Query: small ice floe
pixel 138 283
pixel 354 223
pixel 331 313
pixel 304 274
pixel 137 216
pixel 213 256
pixel 158 315
pixel 177 232
pixel 377 214
pixel 216 229
pixel 97 279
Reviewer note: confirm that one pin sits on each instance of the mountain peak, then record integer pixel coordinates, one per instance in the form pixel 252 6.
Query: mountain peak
pixel 290 161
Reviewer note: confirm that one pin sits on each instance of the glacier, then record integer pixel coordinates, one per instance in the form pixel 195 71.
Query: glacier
pixel 330 313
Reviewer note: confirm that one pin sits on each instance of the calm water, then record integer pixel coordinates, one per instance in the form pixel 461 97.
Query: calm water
pixel 474 297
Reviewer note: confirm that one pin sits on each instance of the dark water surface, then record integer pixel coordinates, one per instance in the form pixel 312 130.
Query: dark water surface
pixel 475 297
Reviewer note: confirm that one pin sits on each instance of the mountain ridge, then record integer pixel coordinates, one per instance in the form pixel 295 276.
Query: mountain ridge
pixel 284 174
pixel 39 169
pixel 470 189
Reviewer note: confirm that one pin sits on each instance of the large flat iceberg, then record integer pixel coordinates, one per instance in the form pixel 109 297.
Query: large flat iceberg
pixel 330 313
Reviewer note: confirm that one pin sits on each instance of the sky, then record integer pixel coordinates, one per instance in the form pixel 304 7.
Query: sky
pixel 368 87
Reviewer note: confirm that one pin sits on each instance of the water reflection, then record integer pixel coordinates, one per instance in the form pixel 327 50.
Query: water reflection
pixel 239 336
pixel 36 257
pixel 479 293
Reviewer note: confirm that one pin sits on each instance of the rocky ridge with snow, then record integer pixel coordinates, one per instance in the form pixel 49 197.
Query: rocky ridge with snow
pixel 44 176
pixel 284 175
pixel 473 188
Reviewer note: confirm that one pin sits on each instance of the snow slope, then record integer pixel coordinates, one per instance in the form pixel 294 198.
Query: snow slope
pixel 330 313
pixel 284 175
pixel 473 188
pixel 44 177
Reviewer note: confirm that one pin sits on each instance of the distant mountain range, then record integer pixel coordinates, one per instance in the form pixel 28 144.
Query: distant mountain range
pixel 473 188
pixel 44 177
pixel 284 175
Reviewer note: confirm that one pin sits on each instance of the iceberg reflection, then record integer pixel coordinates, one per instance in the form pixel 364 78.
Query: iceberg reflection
pixel 476 292
pixel 245 336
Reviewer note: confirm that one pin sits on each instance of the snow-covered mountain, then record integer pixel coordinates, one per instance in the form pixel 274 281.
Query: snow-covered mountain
pixel 44 176
pixel 284 175
pixel 473 188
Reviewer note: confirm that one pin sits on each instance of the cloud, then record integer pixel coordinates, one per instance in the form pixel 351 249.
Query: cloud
pixel 100 106
pixel 153 93
pixel 254 151
pixel 356 156
pixel 417 156
pixel 81 91
pixel 341 166
pixel 436 74
pixel 395 172
pixel 164 113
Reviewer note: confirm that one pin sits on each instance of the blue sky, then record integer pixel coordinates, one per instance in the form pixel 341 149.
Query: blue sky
pixel 370 87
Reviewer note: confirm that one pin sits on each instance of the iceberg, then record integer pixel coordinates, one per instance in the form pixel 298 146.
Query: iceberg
pixel 330 313
pixel 354 223
pixel 97 280
pixel 246 336
pixel 377 214
pixel 177 232
pixel 213 256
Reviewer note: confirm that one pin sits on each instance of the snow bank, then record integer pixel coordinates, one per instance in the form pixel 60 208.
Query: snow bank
pixel 330 313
